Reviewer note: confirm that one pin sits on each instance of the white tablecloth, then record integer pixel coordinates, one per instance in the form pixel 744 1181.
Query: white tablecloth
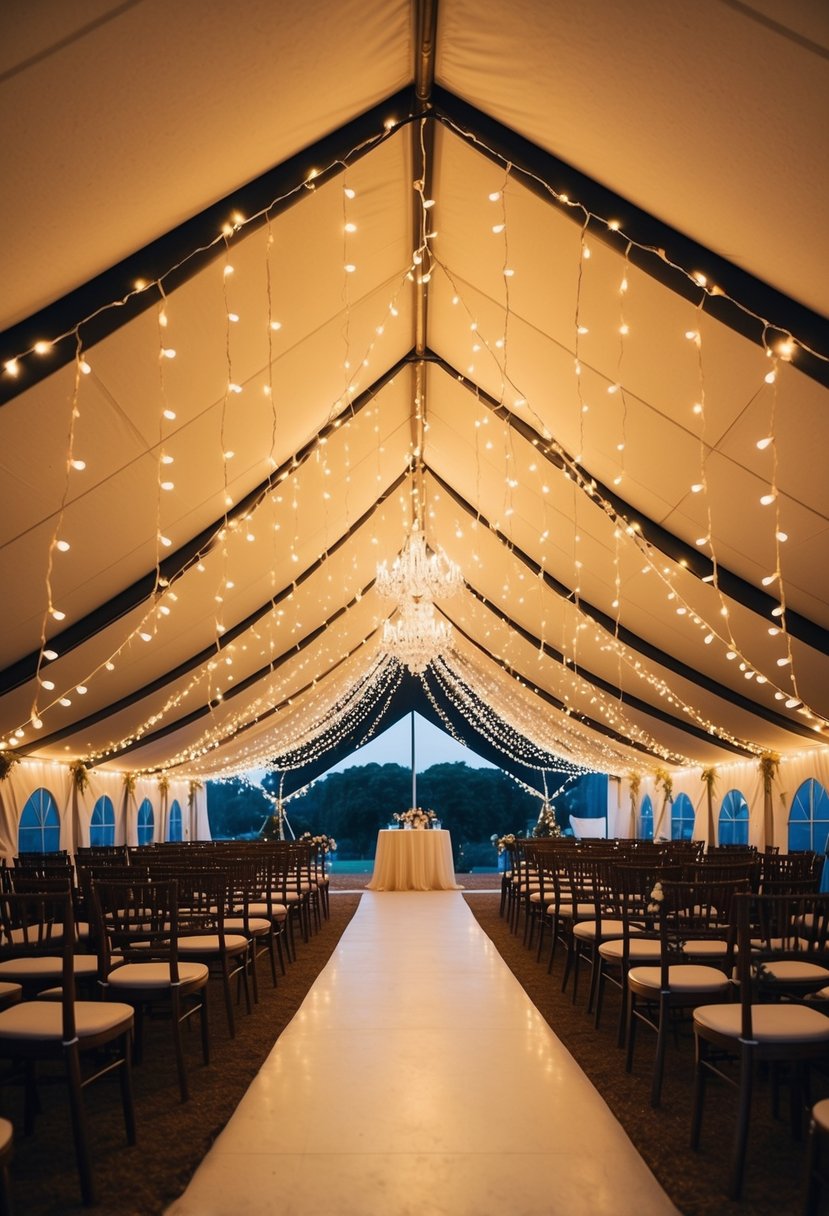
pixel 416 860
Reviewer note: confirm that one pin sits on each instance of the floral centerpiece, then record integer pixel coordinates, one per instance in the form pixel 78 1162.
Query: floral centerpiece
pixel 502 843
pixel 327 843
pixel 415 817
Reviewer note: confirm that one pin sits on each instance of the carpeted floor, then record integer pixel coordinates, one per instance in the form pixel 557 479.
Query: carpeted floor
pixel 695 1181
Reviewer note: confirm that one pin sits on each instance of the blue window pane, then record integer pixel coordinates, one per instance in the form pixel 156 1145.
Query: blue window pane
pixel 682 818
pixel 39 830
pixel 733 822
pixel 646 819
pixel 809 817
pixel 174 830
pixel 146 822
pixel 102 824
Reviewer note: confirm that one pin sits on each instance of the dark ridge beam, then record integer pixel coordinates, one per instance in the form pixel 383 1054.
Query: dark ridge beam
pixel 216 703
pixel 550 699
pixel 733 585
pixel 229 636
pixel 641 645
pixel 501 144
pixel 625 698
pixel 111 299
pixel 177 564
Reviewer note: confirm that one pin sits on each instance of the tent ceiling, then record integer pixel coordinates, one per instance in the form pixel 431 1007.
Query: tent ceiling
pixel 245 425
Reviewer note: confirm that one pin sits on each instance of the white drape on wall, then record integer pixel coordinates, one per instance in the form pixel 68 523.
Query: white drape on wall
pixel 75 805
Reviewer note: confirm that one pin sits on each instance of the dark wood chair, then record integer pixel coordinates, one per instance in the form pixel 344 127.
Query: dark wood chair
pixel 67 1031
pixel 138 960
pixel 781 948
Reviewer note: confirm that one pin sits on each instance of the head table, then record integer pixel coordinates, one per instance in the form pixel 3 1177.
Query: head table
pixel 413 860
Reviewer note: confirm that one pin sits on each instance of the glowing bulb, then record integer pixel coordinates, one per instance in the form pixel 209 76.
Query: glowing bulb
pixel 782 537
pixel 696 487
pixel 62 545
pixel 768 499
pixel 770 377
pixel 349 193
pixel 11 367
pixel 169 415
pixel 80 465
pixel 762 444
pixel 50 654
pixel 84 366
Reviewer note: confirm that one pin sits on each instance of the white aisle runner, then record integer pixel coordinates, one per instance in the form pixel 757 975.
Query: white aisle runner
pixel 417 1079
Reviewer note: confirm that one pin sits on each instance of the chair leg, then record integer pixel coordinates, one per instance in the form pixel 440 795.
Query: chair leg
pixel 178 1045
pixel 699 1091
pixel 630 1030
pixel 811 1203
pixel 659 1058
pixel 205 1026
pixel 127 1098
pixel 79 1132
pixel 743 1117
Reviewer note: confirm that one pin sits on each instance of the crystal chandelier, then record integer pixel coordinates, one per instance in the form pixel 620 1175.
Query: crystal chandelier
pixel 416 636
pixel 418 573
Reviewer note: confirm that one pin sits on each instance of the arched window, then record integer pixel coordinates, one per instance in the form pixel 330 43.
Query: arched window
pixel 102 824
pixel 809 817
pixel 146 822
pixel 646 818
pixel 682 818
pixel 39 830
pixel 174 821
pixel 733 824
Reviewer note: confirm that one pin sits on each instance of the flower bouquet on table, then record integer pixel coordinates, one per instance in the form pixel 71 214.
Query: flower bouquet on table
pixel 415 817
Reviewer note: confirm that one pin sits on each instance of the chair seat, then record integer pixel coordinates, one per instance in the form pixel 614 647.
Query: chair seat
pixel 820 1114
pixel 10 993
pixel 278 911
pixel 682 977
pixel 793 971
pixel 613 951
pixel 770 1023
pixel 257 925
pixel 706 947
pixel 210 943
pixel 586 929
pixel 44 1019
pixel 155 975
pixel 45 967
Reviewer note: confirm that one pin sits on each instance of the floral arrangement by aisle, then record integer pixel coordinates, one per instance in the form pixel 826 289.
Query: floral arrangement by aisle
pixel 415 817
pixel 502 843
pixel 327 843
